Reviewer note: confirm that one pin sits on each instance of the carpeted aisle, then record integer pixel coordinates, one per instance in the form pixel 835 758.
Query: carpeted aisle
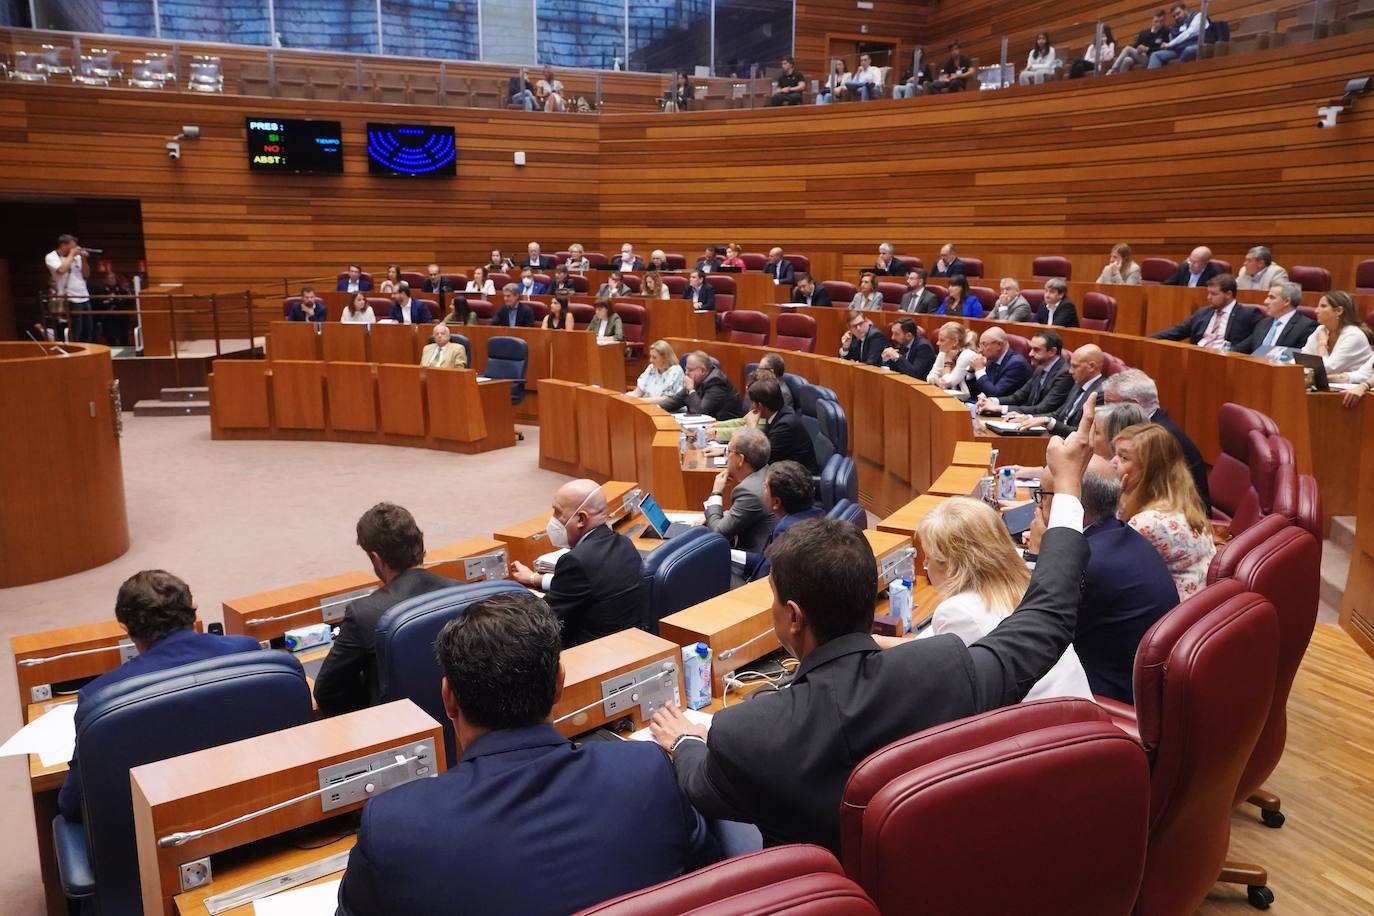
pixel 233 518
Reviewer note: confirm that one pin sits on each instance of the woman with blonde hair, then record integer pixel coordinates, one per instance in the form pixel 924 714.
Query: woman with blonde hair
pixel 1120 269
pixel 653 287
pixel 952 359
pixel 577 259
pixel 981 579
pixel 1160 500
pixel 662 377
pixel 732 257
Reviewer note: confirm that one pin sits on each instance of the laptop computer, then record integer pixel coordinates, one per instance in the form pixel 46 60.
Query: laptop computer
pixel 1318 367
pixel 658 521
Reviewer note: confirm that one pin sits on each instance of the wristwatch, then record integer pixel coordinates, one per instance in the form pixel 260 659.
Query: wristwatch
pixel 681 738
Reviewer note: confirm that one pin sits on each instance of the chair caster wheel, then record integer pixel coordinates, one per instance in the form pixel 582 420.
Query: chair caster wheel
pixel 1260 896
pixel 1272 818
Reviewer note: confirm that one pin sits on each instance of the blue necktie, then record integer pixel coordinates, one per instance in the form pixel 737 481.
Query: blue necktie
pixel 1273 334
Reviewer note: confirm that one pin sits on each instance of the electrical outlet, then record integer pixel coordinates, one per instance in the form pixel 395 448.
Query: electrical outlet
pixel 266 644
pixel 195 874
pixel 40 693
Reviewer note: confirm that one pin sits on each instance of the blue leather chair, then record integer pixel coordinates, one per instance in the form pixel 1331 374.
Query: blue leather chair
pixel 508 357
pixel 689 569
pixel 847 511
pixel 834 426
pixel 406 665
pixel 795 383
pixel 467 347
pixel 715 363
pixel 839 480
pixel 153 717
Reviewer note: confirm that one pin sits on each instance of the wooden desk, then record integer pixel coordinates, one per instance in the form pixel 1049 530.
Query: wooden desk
pixel 254 862
pixel 587 666
pixel 526 541
pixel 957 480
pixel 1357 603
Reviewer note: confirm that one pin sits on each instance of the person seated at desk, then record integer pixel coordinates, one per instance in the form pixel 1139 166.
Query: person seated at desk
pixel 1196 270
pixel 789 493
pixel 443 353
pixel 460 312
pixel 1046 389
pixel 1341 338
pixel 577 259
pixel 308 308
pixel 863 342
pixel 355 282
pixel 528 285
pixel 1132 386
pixel 997 368
pixel 393 277
pixel 653 286
pixel 748 524
pixel 499 263
pixel 788 439
pixel 513 313
pixel 536 261
pixel 805 291
pixel 405 310
pixel 705 390
pixel 605 322
pixel 980 578
pixel 1085 367
pixel 1120 269
pixel 662 377
pixel 868 298
pixel 562 282
pixel 771 366
pixel 627 260
pixel 709 260
pixel 614 287
pixel 436 282
pixel 658 260
pixel 1259 270
pixel 1010 305
pixel 953 357
pixel 525 821
pixel 778 267
pixel 948 264
pixel 699 292
pixel 159 614
pixel 887 264
pixel 480 283
pixel 960 302
pixel 559 317
pixel 732 257
pixel 358 311
pixel 1058 310
pixel 594 588
pixel 1126 587
pixel 917 298
pixel 1220 324
pixel 1283 325
pixel 849 697
pixel 910 354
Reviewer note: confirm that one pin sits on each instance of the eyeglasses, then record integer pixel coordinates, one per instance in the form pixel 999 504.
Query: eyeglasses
pixel 1039 494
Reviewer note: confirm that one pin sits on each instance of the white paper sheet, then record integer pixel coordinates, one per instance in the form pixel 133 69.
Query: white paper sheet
pixel 687 518
pixel 693 715
pixel 314 900
pixel 52 736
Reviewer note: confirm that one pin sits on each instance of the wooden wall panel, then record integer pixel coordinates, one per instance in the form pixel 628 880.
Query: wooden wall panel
pixel 903 20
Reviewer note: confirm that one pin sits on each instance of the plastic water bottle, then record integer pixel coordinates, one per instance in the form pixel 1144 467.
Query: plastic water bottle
pixel 701 437
pixel 1006 485
pixel 899 602
pixel 1286 356
pixel 1226 346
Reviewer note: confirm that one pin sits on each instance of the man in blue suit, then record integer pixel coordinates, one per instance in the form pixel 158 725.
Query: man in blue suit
pixel 999 369
pixel 528 285
pixel 1221 321
pixel 308 308
pixel 779 268
pixel 157 610
pixel 699 292
pixel 405 310
pixel 354 281
pixel 525 823
pixel 789 492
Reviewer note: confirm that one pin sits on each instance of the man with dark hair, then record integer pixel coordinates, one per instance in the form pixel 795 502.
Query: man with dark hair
pixel 396 546
pixel 747 524
pixel 705 390
pixel 788 439
pixel 1047 388
pixel 806 291
pixel 159 614
pixel 513 312
pixel 354 282
pixel 789 492
pixel 405 310
pixel 308 307
pixel 910 354
pixel 591 821
pixel 955 74
pixel 781 760
pixel 436 282
pixel 614 287
pixel 699 292
pixel 917 298
pixel 791 85
pixel 69 267
pixel 1146 43
pixel 1221 321
pixel 863 342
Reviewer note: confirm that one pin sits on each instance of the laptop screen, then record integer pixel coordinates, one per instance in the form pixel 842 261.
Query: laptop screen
pixel 654 515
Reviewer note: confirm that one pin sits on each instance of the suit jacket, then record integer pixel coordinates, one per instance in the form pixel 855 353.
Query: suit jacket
pixel 925 302
pixel 1240 326
pixel 618 264
pixel 955 266
pixel 592 822
pixel 894 269
pixel 1065 420
pixel 595 587
pixel 606 291
pixel 444 286
pixel 788 440
pixel 756 565
pixel 915 360
pixel 1043 393
pixel 180 648
pixel 453 357
pixel 419 312
pixel 524 316
pixel 706 297
pixel 781 759
pixel 716 397
pixel 819 296
pixel 1018 310
pixel 614 327
pixel 748 525
pixel 1191 454
pixel 1294 334
pixel 1270 276
pixel 543 262
pixel 1065 314
pixel 364 285
pixel 536 289
pixel 1126 588
pixel 319 313
pixel 708 264
pixel 869 349
pixel 1005 377
pixel 348 677
pixel 1180 277
pixel 784 271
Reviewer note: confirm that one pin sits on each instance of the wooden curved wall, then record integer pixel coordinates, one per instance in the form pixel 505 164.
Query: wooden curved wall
pixel 61 477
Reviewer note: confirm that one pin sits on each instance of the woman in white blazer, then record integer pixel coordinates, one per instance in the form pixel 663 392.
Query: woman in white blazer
pixel 955 353
pixel 1341 338
pixel 1041 62
pixel 480 284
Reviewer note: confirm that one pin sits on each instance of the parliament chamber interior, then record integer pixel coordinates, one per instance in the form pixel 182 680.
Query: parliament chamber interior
pixel 433 433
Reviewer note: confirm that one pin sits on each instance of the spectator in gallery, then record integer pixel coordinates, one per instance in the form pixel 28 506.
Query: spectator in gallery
pixel 354 282
pixel 308 307
pixel 791 85
pixel 679 98
pixel 1146 43
pixel 520 94
pixel 654 287
pixel 393 276
pixel 1092 60
pixel 358 311
pixel 1120 268
pixel 69 265
pixel 114 296
pixel 913 82
pixel 956 72
pixel 480 283
pixel 834 84
pixel 1183 38
pixel 407 310
pixel 549 91
pixel 560 317
pixel 867 81
pixel 1041 62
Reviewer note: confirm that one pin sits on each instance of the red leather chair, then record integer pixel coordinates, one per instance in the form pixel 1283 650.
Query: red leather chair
pixel 381 306
pixel 539 278
pixel 1098 312
pixel 458 281
pixel 1230 476
pixel 841 292
pixel 1227 559
pixel 1204 686
pixel 632 282
pixel 1111 365
pixel 580 283
pixel 363 275
pixel 499 279
pixel 1364 276
pixel 560 257
pixel 1298 499
pixel 1036 298
pixel 725 288
pixel 792 880
pixel 973 267
pixel 1223 266
pixel 1311 279
pixel 286 305
pixel 633 318
pixel 675 261
pixel 799 262
pixel 796 332
pixel 1258 500
pixel 904 804
pixel 984 294
pixel 1045 268
pixel 743 326
pixel 752 260
pixel 1157 270
pixel 417 280
pixel 940 291
pixel 540 309
pixel 676 283
pixel 892 293
pixel 596 258
pixel 484 309
pixel 1019 344
pixel 582 315
pixel 910 262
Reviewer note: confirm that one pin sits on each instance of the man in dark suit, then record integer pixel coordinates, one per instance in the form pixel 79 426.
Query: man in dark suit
pixel 788 439
pixel 1195 271
pixel 948 264
pixel 395 545
pixel 1058 308
pixel 998 369
pixel 536 261
pixel 594 588
pixel 778 267
pixel 592 821
pixel 863 342
pixel 1046 389
pixel 159 614
pixel 781 760
pixel 1135 387
pixel 709 260
pixel 705 390
pixel 917 298
pixel 806 291
pixel 789 493
pixel 747 524
pixel 309 308
pixel 699 292
pixel 1086 369
pixel 887 264
pixel 1221 321
pixel 355 282
pixel 627 259
pixel 405 310
pixel 436 282
pixel 614 287
pixel 513 313
pixel 910 353
pixel 1283 326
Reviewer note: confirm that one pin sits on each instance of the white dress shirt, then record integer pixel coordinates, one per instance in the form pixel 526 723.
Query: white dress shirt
pixel 1350 352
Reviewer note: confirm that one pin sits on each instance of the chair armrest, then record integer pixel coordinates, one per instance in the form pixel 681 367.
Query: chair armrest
pixel 1123 716
pixel 73 858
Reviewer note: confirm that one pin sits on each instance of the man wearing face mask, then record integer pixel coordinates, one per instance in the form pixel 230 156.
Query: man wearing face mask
pixel 594 589
pixel 396 546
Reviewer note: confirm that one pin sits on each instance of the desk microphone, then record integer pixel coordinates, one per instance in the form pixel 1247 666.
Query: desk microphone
pixel 734 649
pixel 56 350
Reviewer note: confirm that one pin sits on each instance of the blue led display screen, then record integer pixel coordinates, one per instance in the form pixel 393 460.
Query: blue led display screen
pixel 287 145
pixel 411 149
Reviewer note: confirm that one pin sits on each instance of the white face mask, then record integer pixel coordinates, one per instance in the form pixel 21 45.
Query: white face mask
pixel 558 531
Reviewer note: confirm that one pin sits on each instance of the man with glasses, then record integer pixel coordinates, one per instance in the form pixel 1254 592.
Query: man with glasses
pixel 863 342
pixel 1046 389
pixel 1195 271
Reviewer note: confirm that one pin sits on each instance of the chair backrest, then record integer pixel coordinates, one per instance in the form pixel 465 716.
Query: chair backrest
pixel 1263 464
pixel 499 279
pixel 596 258
pixel 1229 478
pixel 540 309
pixel 796 331
pixel 833 424
pixel 458 281
pixel 1227 558
pixel 847 511
pixel 1364 276
pixel 1222 265
pixel 583 314
pixel 1036 298
pixel 781 881
pixel 910 262
pixel 1311 279
pixel 973 267
pixel 462 341
pixel 632 321
pixel 984 294
pixel 1019 344
pixel 675 283
pixel 288 303
pixel 841 291
pixel 803 263
pixel 839 480
pixel 1098 312
pixel 1204 683
pixel 484 309
pixel 903 802
pixel 753 260
pixel 1298 499
pixel 417 280
pixel 723 284
pixel 691 568
pixel 1111 365
pixel 407 668
pixel 1157 270
pixel 676 261
pixel 166 714
pixel 892 293
pixel 1052 266
pixel 744 326
pixel 364 275
pixel 633 282
pixel 508 357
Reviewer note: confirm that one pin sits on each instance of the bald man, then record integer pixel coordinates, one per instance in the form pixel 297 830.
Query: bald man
pixel 1086 369
pixel 594 588
pixel 1195 271
pixel 779 268
pixel 443 353
pixel 999 369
